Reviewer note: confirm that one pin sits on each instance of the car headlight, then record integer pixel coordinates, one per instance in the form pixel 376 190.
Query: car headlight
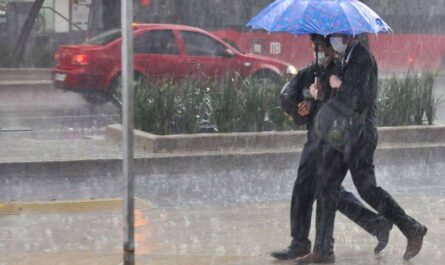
pixel 291 70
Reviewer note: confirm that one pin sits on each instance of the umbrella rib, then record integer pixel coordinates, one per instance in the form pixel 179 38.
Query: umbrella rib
pixel 284 10
pixel 346 17
pixel 289 27
pixel 372 12
pixel 323 17
pixel 364 16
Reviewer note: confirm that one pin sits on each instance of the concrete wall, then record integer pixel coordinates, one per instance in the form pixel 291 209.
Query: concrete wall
pixel 209 178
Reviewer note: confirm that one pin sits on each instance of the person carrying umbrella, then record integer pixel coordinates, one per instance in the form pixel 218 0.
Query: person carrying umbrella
pixel 357 90
pixel 303 194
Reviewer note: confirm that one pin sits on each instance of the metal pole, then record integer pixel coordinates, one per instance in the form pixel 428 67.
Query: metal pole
pixel 127 143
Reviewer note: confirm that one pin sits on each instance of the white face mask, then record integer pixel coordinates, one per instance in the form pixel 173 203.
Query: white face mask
pixel 322 59
pixel 338 45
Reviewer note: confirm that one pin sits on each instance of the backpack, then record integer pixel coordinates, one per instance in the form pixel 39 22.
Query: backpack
pixel 339 126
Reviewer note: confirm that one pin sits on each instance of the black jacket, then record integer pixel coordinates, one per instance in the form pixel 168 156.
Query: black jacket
pixel 302 81
pixel 360 81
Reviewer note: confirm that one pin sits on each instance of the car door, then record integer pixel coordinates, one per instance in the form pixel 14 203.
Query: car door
pixel 156 52
pixel 206 56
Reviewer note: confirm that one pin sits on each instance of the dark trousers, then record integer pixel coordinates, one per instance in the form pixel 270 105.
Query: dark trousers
pixel 303 197
pixel 329 197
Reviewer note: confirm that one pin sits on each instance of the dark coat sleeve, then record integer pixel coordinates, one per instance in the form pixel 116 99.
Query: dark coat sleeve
pixel 356 80
pixel 301 81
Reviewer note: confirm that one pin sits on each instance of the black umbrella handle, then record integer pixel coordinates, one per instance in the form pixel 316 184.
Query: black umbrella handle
pixel 317 68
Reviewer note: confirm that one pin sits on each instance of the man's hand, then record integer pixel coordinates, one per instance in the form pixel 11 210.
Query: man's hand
pixel 313 90
pixel 303 108
pixel 288 116
pixel 335 82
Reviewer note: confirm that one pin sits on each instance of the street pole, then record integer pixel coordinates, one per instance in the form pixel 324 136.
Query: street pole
pixel 127 142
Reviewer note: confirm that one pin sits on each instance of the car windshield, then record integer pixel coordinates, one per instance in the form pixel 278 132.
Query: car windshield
pixel 105 37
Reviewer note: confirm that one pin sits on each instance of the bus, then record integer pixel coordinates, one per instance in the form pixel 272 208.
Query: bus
pixel 417 43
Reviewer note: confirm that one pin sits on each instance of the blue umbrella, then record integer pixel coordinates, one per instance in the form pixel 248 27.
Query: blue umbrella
pixel 323 17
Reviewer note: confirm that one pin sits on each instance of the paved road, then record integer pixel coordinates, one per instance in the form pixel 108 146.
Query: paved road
pixel 234 235
pixel 49 111
pixel 240 234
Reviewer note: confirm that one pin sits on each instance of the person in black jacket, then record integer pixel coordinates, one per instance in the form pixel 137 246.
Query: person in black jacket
pixel 303 108
pixel 356 88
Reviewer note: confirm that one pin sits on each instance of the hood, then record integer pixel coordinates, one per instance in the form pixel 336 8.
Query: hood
pixel 265 58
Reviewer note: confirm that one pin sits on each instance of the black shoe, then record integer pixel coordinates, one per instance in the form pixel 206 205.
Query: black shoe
pixel 290 252
pixel 382 236
pixel 415 241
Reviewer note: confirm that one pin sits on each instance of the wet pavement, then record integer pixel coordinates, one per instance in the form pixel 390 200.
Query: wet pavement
pixel 234 234
pixel 186 231
pixel 48 110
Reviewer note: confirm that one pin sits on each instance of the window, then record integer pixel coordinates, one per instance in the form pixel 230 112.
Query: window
pixel 105 37
pixel 197 44
pixel 156 42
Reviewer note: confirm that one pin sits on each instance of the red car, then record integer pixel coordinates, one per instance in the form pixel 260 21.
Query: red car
pixel 160 51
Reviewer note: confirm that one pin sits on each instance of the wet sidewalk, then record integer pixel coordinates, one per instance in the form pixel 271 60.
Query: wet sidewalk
pixel 90 232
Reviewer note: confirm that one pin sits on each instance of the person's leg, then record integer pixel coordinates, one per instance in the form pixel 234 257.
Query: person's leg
pixel 327 192
pixel 363 175
pixel 303 196
pixel 373 223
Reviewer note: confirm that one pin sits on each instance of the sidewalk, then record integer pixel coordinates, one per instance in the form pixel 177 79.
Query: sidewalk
pixel 237 234
pixel 89 232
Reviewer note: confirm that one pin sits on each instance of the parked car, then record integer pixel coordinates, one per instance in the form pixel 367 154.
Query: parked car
pixel 160 51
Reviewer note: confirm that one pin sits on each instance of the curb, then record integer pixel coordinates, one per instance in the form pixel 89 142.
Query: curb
pixel 209 142
pixel 19 74
pixel 71 206
pixel 227 142
pixel 200 178
pixel 27 85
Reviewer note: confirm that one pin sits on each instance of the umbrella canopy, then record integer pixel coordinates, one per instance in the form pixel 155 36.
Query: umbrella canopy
pixel 323 17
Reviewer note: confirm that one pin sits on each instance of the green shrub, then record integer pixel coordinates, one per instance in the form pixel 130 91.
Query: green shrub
pixel 154 106
pixel 231 104
pixel 237 105
pixel 42 57
pixel 5 55
pixel 407 100
pixel 430 101
pixel 192 106
pixel 225 104
pixel 255 104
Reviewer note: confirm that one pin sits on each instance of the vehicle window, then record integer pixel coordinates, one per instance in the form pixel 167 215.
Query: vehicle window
pixel 105 37
pixel 198 44
pixel 232 44
pixel 156 42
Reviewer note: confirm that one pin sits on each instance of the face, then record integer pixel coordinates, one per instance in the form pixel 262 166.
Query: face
pixel 325 53
pixel 339 43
